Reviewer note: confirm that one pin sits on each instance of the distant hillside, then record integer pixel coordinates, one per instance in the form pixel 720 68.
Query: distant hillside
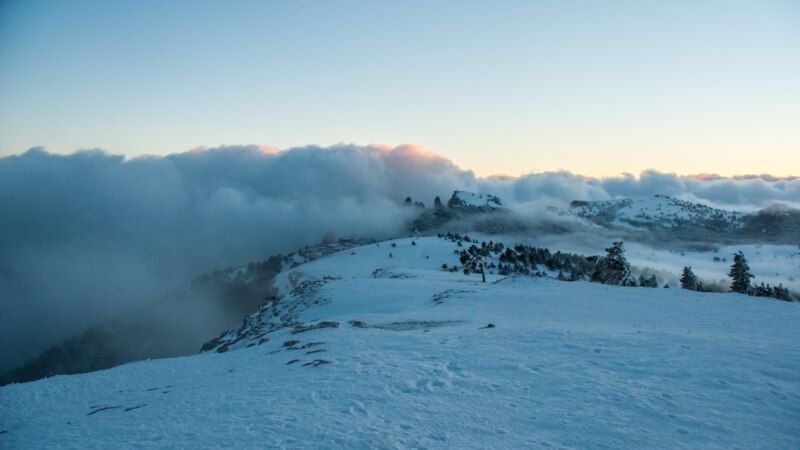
pixel 229 294
pixel 471 200
pixel 478 212
pixel 664 216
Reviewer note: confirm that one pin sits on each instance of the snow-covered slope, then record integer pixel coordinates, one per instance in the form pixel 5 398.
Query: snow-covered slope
pixel 464 199
pixel 468 210
pixel 772 264
pixel 665 219
pixel 657 210
pixel 378 347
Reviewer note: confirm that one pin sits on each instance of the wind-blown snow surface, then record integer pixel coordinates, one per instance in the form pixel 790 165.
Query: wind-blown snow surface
pixel 575 365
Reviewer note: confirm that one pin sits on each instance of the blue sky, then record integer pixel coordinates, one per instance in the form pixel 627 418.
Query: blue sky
pixel 598 88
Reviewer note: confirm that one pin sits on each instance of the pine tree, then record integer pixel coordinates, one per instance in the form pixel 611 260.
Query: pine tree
pixel 762 290
pixel 437 203
pixel 689 280
pixel 651 281
pixel 614 268
pixel 781 293
pixel 740 274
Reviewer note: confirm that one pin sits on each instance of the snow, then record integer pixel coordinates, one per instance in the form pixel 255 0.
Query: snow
pixel 771 264
pixel 667 211
pixel 574 365
pixel 471 199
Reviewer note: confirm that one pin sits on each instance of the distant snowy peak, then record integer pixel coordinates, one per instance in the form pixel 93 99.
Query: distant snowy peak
pixel 467 211
pixel 464 199
pixel 658 210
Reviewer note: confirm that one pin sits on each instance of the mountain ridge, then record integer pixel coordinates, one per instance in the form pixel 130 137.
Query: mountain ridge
pixel 241 290
pixel 382 347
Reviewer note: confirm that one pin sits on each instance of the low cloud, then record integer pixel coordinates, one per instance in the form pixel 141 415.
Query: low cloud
pixel 90 236
pixel 743 193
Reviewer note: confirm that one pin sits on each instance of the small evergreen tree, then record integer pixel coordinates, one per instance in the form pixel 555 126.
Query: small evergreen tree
pixel 781 293
pixel 762 290
pixel 740 274
pixel 651 281
pixel 689 280
pixel 614 268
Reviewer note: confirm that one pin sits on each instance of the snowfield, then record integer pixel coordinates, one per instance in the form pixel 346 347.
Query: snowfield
pixel 661 209
pixel 772 264
pixel 412 356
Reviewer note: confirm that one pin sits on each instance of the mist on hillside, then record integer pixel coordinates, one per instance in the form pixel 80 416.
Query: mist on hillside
pixel 90 238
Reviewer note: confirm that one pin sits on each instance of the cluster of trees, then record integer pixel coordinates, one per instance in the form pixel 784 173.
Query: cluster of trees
pixel 460 240
pixel 522 259
pixel 528 260
pixel 740 281
pixel 612 269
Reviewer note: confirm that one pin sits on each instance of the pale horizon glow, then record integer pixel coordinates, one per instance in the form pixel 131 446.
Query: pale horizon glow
pixel 594 88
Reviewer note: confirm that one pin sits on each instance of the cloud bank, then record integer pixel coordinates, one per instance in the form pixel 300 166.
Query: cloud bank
pixel 89 236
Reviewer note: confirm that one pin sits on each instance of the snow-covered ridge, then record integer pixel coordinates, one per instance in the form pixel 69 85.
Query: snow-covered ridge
pixel 657 210
pixel 302 287
pixel 464 199
pixel 483 211
pixel 665 219
pixel 378 347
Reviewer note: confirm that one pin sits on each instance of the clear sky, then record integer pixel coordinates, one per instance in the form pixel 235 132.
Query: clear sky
pixel 499 87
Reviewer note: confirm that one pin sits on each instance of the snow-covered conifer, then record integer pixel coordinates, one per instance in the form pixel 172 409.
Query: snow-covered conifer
pixel 613 268
pixel 781 293
pixel 740 274
pixel 689 280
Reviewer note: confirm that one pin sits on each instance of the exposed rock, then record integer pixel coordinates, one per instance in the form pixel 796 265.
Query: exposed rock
pixel 317 362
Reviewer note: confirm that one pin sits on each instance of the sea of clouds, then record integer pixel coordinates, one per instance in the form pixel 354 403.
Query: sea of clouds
pixel 90 236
